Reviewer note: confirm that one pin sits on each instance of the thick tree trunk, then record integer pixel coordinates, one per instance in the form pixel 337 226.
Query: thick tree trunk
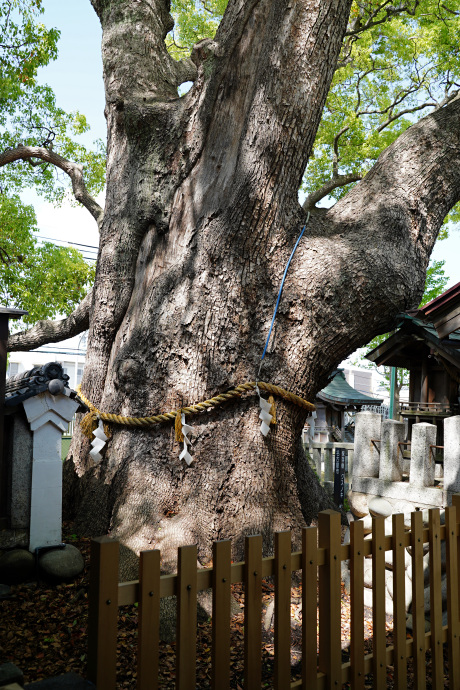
pixel 201 216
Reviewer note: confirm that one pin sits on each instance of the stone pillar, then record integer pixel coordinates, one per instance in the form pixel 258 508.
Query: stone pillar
pixel 328 465
pixel 20 453
pixel 366 458
pixel 452 454
pixel 391 459
pixel 48 416
pixel 422 459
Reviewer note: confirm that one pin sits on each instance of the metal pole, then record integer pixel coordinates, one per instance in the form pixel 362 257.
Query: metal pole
pixel 392 392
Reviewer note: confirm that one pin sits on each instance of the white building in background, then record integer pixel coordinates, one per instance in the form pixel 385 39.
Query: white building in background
pixel 69 353
pixel 371 382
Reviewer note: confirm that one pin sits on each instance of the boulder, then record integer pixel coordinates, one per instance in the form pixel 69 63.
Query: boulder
pixel 443 595
pixel 10 674
pixel 368 601
pixel 367 524
pixel 389 582
pixel 388 526
pixel 17 565
pixel 69 681
pixel 368 573
pixel 389 559
pixel 61 564
pixel 410 624
pixel 358 504
pixel 379 506
pixel 5 592
pixel 404 507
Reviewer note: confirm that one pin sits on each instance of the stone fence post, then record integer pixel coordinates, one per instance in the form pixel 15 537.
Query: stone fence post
pixel 366 459
pixel 452 454
pixel 391 457
pixel 422 461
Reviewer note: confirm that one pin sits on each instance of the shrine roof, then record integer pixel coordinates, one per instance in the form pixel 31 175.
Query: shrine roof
pixel 443 312
pixel 340 392
pixel 412 341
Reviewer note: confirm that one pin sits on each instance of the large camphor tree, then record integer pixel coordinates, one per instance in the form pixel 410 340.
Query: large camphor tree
pixel 200 218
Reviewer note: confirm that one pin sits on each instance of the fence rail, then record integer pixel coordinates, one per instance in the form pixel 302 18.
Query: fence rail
pixel 320 561
pixel 426 407
pixel 322 458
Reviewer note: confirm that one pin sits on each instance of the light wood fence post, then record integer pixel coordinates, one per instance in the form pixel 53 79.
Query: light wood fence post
pixel 418 602
pixel 436 600
pixel 357 604
pixel 103 613
pixel 378 603
pixel 186 618
pixel 221 600
pixel 452 599
pixel 282 610
pixel 456 505
pixel 399 602
pixel 252 614
pixel 330 652
pixel 309 608
pixel 148 639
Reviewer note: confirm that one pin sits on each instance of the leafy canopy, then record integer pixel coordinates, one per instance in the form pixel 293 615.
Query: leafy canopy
pixel 398 62
pixel 42 278
pixel 28 111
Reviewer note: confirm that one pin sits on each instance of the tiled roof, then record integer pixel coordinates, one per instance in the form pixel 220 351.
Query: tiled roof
pixel 339 391
pixel 37 380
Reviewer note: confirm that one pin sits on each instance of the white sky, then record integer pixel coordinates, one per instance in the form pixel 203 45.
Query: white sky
pixel 76 78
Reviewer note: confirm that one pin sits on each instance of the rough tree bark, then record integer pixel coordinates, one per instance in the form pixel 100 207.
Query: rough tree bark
pixel 201 215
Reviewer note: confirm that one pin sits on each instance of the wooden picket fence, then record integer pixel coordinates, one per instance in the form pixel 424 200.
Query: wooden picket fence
pixel 320 562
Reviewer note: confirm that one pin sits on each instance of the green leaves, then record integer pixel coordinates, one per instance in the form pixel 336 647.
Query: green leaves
pixel 398 62
pixel 193 22
pixel 44 279
pixel 29 114
pixel 402 66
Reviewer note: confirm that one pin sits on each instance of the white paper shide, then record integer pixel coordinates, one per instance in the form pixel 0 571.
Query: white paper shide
pixel 186 429
pixel 98 443
pixel 265 415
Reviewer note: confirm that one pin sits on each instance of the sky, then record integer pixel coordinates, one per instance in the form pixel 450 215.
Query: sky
pixel 76 78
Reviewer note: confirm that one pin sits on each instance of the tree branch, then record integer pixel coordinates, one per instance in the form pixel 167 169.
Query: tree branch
pixel 73 170
pixel 412 186
pixel 337 181
pixel 357 27
pixel 44 332
pixel 405 112
pixel 335 159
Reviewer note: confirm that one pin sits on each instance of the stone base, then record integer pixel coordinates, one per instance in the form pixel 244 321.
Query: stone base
pixel 402 491
pixel 61 564
pixel 69 681
pixel 17 565
pixel 14 539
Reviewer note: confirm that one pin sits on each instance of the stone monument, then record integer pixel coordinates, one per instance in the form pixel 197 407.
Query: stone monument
pixel 38 407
